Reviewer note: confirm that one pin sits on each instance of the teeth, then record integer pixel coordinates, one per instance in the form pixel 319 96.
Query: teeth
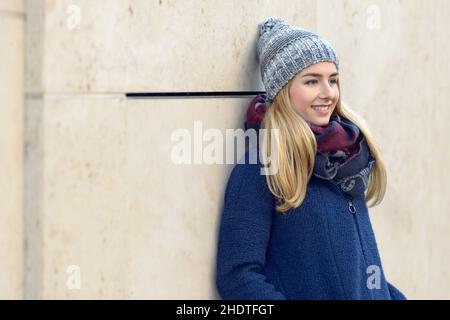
pixel 322 108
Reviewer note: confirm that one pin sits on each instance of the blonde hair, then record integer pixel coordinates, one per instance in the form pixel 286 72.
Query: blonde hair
pixel 296 149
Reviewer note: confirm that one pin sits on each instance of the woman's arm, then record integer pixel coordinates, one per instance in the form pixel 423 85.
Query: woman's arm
pixel 243 237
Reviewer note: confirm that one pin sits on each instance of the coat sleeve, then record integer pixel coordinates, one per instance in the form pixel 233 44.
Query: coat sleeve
pixel 243 237
pixel 395 293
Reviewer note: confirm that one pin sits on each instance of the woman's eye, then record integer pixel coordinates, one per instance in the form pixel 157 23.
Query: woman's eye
pixel 311 81
pixel 315 81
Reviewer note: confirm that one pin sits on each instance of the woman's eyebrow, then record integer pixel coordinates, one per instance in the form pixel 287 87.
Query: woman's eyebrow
pixel 318 75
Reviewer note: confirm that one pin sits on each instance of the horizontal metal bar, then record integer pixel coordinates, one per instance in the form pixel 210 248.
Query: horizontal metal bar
pixel 192 94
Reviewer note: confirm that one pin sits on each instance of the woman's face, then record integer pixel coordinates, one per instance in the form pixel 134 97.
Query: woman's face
pixel 315 86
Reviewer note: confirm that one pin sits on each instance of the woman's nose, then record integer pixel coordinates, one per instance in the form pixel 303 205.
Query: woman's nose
pixel 326 91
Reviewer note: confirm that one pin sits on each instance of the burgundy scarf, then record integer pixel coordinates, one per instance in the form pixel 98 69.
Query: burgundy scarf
pixel 343 155
pixel 337 135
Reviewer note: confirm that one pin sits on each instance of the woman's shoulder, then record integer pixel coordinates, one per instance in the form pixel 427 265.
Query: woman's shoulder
pixel 247 180
pixel 249 167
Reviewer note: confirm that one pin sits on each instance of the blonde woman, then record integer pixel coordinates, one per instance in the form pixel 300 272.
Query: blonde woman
pixel 303 231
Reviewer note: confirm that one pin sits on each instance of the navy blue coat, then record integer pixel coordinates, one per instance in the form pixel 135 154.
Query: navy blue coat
pixel 324 249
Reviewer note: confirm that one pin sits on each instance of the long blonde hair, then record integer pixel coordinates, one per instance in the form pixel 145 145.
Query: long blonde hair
pixel 296 149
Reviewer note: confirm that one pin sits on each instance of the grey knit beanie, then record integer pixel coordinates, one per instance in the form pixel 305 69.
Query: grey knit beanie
pixel 284 50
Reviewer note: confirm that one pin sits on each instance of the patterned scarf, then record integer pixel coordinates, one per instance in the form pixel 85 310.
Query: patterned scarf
pixel 343 156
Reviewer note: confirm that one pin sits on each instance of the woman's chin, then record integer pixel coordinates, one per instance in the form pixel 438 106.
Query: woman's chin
pixel 322 121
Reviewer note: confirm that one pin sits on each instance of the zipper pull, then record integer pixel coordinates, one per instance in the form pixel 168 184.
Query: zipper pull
pixel 351 207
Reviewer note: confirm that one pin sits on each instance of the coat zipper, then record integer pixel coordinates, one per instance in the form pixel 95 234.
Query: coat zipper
pixel 352 209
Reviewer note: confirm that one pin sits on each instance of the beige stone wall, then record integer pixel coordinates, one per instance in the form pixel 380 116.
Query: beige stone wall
pixel 108 215
pixel 11 149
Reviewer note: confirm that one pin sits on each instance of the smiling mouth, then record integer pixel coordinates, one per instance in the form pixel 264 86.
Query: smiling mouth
pixel 322 108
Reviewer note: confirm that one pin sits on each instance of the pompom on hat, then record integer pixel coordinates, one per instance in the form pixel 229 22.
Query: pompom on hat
pixel 284 50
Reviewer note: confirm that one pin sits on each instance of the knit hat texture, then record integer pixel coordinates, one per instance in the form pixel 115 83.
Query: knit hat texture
pixel 284 50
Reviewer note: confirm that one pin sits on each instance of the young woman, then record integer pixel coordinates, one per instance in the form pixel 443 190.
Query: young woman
pixel 303 232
